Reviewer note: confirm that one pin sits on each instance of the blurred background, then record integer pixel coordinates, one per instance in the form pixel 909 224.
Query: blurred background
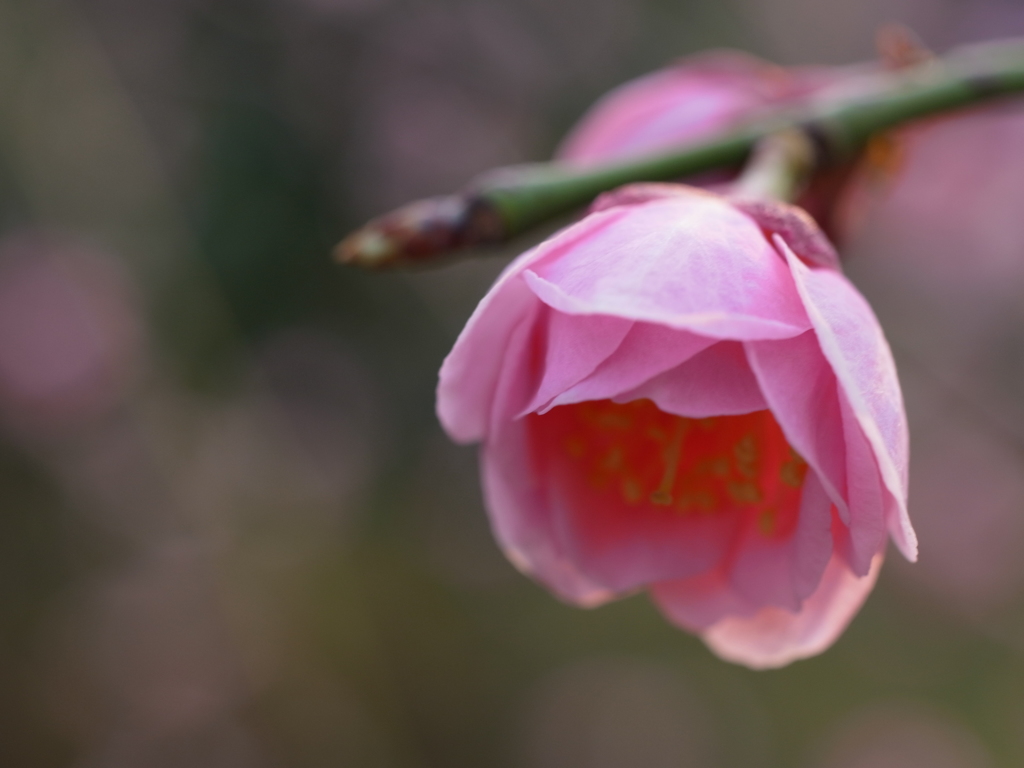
pixel 233 535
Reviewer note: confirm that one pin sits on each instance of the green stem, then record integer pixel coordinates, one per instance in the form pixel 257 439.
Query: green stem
pixel 966 76
pixel 510 201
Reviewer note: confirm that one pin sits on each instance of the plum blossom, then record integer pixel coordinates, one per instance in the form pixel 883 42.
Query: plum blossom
pixel 689 101
pixel 682 393
pixel 706 94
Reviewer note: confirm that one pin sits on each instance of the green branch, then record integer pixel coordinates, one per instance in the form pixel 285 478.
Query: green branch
pixel 510 201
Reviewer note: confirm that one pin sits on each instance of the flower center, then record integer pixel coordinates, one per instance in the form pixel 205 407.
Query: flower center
pixel 640 456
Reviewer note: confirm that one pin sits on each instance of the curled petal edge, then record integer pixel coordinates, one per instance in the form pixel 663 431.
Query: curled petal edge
pixel 774 637
pixel 889 444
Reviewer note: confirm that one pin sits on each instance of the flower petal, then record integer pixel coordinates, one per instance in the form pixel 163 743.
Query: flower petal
pixel 622 552
pixel 657 117
pixel 672 106
pixel 795 226
pixel 516 501
pixel 600 466
pixel 575 346
pixel 699 602
pixel 693 263
pixel 801 391
pixel 774 637
pixel 852 342
pixel 783 571
pixel 469 374
pixel 714 382
pixel 866 494
pixel 646 351
pixel 812 541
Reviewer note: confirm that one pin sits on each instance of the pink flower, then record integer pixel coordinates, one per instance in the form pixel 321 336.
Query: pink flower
pixel 910 194
pixel 671 398
pixel 704 95
pixel 691 100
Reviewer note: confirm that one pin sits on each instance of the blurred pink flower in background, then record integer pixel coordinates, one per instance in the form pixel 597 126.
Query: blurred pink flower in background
pixel 670 397
pixel 70 335
pixel 954 184
pixel 937 240
pixel 696 98
pixel 701 96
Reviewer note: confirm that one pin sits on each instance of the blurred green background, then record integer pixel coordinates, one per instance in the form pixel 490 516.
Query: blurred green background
pixel 232 533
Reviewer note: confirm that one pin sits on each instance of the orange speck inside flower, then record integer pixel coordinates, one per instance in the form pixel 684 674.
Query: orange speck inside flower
pixel 636 456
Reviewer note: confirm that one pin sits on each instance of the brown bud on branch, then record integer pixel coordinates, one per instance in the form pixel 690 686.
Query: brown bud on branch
pixel 421 230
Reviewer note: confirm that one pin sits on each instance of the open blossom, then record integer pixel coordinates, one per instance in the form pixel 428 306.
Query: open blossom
pixel 683 393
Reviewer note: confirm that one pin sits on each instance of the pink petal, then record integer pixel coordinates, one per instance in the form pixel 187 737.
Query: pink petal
pixel 762 573
pixel 618 538
pixel 714 382
pixel 515 494
pixel 642 192
pixel 692 99
pixel 779 572
pixel 692 263
pixel 795 226
pixel 784 571
pixel 657 111
pixel 801 391
pixel 469 374
pixel 699 602
pixel 625 551
pixel 646 351
pixel 575 346
pixel 774 637
pixel 865 492
pixel 813 540
pixel 855 347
